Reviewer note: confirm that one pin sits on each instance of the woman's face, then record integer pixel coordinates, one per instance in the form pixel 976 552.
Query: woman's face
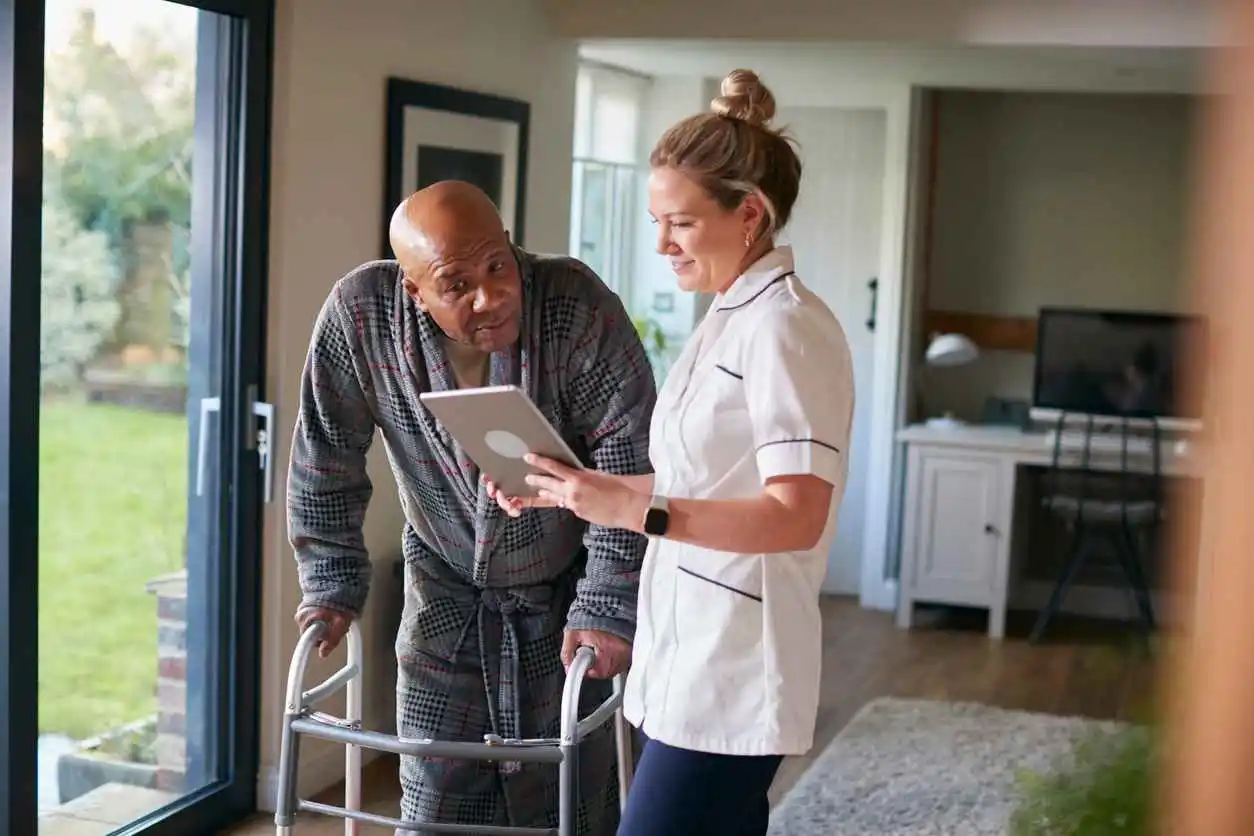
pixel 704 243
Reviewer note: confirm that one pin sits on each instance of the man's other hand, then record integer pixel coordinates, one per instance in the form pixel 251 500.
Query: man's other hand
pixel 613 655
pixel 337 622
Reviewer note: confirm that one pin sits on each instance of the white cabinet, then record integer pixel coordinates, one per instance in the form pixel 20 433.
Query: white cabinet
pixel 955 527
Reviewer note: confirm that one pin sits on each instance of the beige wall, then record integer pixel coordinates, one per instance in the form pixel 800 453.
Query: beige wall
pixel 1053 199
pixel 331 59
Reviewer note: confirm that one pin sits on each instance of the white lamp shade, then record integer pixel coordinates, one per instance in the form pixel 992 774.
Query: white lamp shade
pixel 951 350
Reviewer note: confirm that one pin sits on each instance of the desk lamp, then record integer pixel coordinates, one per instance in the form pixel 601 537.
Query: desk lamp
pixel 949 350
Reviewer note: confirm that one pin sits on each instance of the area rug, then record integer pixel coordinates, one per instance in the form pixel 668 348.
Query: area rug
pixel 925 768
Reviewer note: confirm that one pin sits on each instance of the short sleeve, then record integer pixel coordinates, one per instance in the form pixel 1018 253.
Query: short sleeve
pixel 800 392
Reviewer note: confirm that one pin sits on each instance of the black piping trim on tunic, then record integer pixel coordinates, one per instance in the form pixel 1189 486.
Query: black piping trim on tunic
pixel 831 447
pixel 772 283
pixel 723 368
pixel 748 595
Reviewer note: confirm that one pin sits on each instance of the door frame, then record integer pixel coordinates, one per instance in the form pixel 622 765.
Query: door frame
pixel 241 87
pixel 859 318
pixel 885 464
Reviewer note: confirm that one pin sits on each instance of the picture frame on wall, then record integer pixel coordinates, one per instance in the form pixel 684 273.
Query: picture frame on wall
pixel 436 132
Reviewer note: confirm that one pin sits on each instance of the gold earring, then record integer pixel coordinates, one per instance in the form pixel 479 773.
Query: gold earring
pixel 748 240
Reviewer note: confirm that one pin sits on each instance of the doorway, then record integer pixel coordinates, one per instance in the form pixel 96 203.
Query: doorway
pixel 135 451
pixel 835 232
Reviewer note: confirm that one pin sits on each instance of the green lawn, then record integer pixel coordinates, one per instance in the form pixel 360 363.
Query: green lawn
pixel 112 514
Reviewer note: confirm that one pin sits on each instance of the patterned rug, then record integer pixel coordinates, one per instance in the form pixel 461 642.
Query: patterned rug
pixel 924 768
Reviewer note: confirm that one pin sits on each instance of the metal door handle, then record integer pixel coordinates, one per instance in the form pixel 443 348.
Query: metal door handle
pixel 260 438
pixel 207 405
pixel 264 437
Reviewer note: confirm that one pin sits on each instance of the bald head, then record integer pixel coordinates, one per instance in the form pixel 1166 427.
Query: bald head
pixel 436 219
pixel 457 262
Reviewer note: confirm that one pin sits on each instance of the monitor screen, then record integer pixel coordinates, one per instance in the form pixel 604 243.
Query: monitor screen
pixel 1112 363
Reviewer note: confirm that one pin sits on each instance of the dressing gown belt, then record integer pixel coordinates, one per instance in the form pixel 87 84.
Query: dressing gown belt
pixel 496 615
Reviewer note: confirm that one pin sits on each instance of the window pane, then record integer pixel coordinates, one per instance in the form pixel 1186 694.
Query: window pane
pixel 583 114
pixel 625 215
pixel 593 244
pixel 125 684
pixel 614 121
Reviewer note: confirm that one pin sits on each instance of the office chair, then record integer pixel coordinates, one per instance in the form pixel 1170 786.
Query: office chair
pixel 1104 492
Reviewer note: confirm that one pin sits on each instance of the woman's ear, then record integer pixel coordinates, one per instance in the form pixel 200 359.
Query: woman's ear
pixel 753 215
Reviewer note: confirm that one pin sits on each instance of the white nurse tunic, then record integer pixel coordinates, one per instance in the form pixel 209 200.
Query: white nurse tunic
pixel 727 649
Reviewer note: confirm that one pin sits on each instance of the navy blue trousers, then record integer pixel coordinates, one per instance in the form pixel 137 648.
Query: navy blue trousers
pixel 679 792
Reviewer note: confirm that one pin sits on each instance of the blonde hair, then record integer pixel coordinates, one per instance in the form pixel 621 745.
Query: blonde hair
pixel 731 153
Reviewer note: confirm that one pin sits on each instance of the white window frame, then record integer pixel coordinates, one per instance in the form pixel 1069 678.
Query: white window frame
pixel 619 229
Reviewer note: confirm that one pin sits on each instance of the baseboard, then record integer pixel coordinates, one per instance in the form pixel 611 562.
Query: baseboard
pixel 1098 602
pixel 879 596
pixel 323 768
pixel 315 775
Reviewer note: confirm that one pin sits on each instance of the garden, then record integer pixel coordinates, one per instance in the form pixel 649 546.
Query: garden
pixel 113 451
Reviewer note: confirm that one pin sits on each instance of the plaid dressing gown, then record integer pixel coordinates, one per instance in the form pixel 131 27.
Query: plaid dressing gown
pixel 486 596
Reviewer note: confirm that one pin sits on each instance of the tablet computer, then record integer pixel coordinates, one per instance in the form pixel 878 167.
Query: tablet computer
pixel 497 426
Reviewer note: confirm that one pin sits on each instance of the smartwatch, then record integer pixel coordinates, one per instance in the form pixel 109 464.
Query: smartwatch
pixel 657 519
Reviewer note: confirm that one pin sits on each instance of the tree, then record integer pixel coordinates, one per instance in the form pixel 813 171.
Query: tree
pixel 118 128
pixel 78 304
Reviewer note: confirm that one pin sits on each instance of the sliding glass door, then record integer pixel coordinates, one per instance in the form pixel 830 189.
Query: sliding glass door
pixel 134 447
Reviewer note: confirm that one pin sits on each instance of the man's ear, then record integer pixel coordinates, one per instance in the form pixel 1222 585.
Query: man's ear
pixel 411 287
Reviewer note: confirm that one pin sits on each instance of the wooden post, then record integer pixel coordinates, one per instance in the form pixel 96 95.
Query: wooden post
pixel 1209 684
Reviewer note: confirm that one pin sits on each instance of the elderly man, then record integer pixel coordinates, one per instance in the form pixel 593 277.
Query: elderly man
pixel 494 604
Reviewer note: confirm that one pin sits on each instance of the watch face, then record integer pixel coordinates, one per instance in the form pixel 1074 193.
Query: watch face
pixel 655 521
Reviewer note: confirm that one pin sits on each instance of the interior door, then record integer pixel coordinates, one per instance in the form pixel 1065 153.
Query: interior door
pixel 835 235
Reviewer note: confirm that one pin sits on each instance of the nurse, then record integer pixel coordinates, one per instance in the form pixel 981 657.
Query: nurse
pixel 749 446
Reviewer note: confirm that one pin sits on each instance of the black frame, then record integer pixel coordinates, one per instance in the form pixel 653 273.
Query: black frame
pixel 235 83
pixel 403 94
pixel 1186 325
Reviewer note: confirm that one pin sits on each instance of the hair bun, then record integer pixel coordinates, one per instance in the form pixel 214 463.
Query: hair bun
pixel 744 97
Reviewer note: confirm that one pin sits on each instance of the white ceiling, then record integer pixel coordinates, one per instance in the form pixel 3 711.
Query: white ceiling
pixel 798 67
pixel 1099 23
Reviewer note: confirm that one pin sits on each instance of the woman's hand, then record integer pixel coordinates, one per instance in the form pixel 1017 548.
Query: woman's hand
pixel 599 498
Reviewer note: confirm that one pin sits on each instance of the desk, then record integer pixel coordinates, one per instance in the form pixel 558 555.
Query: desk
pixel 958 511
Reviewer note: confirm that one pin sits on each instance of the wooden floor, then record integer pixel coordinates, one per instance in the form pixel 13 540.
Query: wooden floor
pixel 1086 668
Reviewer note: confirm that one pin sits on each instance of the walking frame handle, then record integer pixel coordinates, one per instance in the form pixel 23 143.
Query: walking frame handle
pixel 300 719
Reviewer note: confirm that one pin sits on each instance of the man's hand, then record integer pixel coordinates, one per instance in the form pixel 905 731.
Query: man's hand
pixel 337 622
pixel 600 498
pixel 613 654
pixel 514 505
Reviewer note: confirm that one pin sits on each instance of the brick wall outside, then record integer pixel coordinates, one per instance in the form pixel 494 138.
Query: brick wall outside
pixel 171 593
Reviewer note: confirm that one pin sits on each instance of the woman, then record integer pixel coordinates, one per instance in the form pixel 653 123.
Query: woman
pixel 748 443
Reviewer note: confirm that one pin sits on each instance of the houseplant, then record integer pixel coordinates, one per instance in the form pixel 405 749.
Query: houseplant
pixel 654 339
pixel 1105 787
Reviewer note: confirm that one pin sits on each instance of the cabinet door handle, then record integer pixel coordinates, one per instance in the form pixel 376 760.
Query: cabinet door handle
pixel 874 286
pixel 989 528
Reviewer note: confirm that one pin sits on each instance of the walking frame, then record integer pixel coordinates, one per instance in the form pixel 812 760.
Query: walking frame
pixel 300 719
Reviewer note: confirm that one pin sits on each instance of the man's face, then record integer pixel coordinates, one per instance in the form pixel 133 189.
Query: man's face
pixel 472 288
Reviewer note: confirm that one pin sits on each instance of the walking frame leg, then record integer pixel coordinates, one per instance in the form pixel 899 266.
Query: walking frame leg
pixel 624 746
pixel 295 706
pixel 568 769
pixel 354 712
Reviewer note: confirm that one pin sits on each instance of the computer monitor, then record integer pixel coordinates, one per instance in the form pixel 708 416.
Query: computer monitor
pixel 1114 364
